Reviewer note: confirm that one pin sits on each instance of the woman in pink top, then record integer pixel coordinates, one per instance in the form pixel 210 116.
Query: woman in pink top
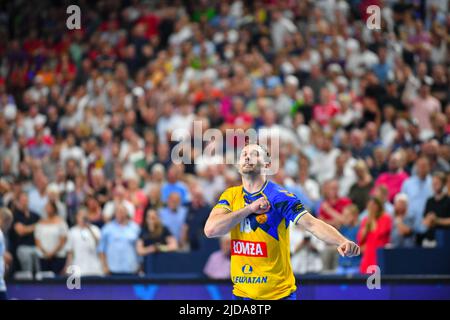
pixel 138 197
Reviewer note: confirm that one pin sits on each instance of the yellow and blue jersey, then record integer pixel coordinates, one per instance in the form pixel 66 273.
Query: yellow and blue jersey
pixel 260 256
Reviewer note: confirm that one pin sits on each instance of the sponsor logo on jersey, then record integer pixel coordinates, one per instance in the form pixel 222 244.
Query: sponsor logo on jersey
pixel 250 280
pixel 248 248
pixel 247 269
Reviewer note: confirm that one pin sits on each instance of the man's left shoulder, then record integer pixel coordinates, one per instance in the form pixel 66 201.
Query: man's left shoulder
pixel 274 190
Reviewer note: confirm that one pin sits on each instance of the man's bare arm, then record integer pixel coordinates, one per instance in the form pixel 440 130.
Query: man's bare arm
pixel 329 234
pixel 221 220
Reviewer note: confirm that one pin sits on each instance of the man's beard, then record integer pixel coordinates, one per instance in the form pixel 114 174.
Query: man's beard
pixel 252 170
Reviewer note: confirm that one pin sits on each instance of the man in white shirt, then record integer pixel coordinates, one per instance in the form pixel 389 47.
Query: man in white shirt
pixel 325 158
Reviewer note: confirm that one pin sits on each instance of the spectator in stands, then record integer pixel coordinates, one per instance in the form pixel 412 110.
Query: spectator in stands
pixel 330 211
pixel 5 193
pixel 54 196
pixel 5 223
pixel 198 212
pixel 218 264
pixel 118 244
pixel 360 148
pixel 173 216
pixel 345 174
pixel 326 109
pixel 325 158
pixel 431 150
pixel 22 235
pixel 154 236
pixel 418 188
pixel 119 199
pixel 82 243
pixel 393 180
pixel 448 184
pixel 423 106
pixel 437 207
pixel 306 251
pixel 402 234
pixel 349 229
pixel 332 205
pixel 154 198
pixel 309 186
pixel 378 164
pixel 137 197
pixel 380 192
pixel 374 233
pixel 360 190
pixel 211 181
pixel 38 194
pixel 9 149
pixel 99 188
pixel 94 212
pixel 174 184
pixel 51 236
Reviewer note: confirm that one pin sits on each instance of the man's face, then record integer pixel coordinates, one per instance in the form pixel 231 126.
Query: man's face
pixel 400 206
pixel 393 163
pixel 121 213
pixel 349 217
pixel 174 201
pixel 81 217
pixel 23 201
pixel 331 189
pixel 423 168
pixel 251 160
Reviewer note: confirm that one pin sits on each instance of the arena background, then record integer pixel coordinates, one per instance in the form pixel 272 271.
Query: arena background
pixel 86 118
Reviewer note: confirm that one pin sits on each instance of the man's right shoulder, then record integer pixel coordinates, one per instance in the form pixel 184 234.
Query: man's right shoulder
pixel 227 197
pixel 233 189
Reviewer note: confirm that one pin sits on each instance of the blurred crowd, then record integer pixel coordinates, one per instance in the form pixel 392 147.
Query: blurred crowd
pixel 87 116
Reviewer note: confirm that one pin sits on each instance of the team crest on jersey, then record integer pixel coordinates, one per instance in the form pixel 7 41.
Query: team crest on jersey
pixel 261 218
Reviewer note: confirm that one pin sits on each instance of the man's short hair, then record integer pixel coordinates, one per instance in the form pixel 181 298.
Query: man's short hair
pixel 401 197
pixel 6 217
pixel 266 153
